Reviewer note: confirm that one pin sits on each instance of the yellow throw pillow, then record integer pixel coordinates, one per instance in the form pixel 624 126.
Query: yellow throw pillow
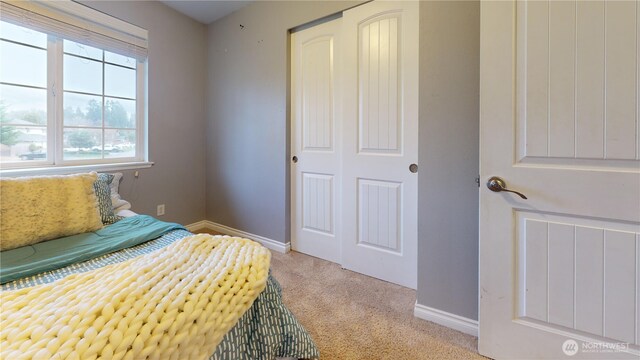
pixel 35 209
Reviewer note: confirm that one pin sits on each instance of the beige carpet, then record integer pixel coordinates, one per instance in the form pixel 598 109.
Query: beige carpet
pixel 352 316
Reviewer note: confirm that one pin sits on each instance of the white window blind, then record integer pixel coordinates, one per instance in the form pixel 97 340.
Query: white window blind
pixel 79 23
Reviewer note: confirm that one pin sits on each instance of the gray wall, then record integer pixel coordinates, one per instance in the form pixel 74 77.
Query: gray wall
pixel 247 135
pixel 247 128
pixel 177 85
pixel 448 155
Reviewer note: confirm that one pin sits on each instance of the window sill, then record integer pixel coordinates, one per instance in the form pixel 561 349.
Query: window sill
pixel 62 170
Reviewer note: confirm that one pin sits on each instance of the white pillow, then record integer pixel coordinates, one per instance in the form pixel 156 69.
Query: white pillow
pixel 126 213
pixel 117 202
pixel 121 205
pixel 115 184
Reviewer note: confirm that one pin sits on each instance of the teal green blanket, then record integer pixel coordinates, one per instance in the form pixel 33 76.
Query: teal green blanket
pixel 57 253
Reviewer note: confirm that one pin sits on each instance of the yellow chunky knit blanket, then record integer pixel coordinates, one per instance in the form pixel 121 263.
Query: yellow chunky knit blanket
pixel 174 303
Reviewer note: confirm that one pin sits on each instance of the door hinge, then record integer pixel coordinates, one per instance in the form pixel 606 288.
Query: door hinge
pixel 478 180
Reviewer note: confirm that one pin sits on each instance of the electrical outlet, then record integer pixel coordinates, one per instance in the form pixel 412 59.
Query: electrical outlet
pixel 160 211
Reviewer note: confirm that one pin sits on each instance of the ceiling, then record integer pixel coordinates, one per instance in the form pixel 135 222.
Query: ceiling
pixel 206 12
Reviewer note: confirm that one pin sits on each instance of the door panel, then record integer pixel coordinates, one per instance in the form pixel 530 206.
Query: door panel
pixel 559 123
pixel 577 81
pixel 570 267
pixel 314 198
pixel 378 89
pixel 380 140
pixel 317 202
pixel 379 214
pixel 317 95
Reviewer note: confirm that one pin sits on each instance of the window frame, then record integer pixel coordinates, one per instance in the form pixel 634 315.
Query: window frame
pixel 55 118
pixel 76 14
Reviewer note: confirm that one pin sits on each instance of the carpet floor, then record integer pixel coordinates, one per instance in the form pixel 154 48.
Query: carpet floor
pixel 352 316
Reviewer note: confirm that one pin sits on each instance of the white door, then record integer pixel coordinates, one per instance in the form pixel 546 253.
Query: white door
pixel 315 200
pixel 380 140
pixel 559 271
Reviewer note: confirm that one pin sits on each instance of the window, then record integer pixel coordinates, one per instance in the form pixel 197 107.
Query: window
pixel 65 102
pixel 23 95
pixel 99 104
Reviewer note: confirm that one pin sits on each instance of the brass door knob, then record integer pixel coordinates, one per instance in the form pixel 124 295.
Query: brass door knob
pixel 496 184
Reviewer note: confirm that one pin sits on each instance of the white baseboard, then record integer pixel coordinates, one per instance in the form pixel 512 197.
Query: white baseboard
pixel 197 226
pixel 444 318
pixel 266 242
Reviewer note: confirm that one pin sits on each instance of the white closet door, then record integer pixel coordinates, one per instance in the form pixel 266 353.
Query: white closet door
pixel 559 271
pixel 380 120
pixel 315 200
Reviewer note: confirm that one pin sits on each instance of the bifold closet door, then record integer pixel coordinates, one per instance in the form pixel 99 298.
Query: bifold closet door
pixel 380 146
pixel 315 200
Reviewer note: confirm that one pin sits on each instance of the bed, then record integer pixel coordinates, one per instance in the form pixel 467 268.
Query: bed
pixel 266 330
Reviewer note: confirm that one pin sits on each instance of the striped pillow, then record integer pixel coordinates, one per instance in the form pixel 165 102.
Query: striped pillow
pixel 103 194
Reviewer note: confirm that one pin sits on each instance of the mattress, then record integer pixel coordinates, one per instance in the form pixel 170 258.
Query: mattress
pixel 266 331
